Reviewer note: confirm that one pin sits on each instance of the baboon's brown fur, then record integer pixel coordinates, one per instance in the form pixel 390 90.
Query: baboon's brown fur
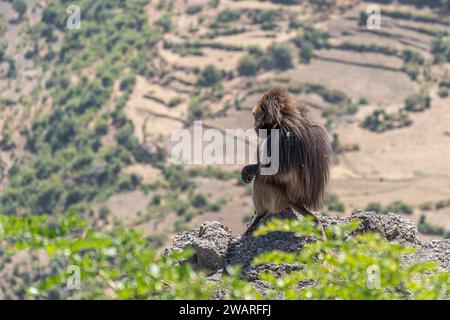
pixel 304 156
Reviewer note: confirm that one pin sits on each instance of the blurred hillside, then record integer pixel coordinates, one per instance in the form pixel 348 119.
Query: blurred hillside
pixel 86 114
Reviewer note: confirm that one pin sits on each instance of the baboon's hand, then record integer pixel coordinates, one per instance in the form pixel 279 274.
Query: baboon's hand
pixel 248 173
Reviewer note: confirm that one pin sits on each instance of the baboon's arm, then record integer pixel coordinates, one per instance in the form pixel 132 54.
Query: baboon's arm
pixel 249 172
pixel 252 170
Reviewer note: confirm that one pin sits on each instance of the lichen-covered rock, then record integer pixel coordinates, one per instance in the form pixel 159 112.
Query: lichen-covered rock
pixel 216 247
pixel 435 251
pixel 210 242
pixel 391 226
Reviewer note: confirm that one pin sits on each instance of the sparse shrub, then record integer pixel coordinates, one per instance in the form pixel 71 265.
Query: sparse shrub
pixel 441 50
pixel 426 206
pixel 441 204
pixel 426 228
pixel 374 206
pixel 199 201
pixel 311 40
pixel 174 101
pixel 412 62
pixel 104 213
pixel 286 1
pixel 331 200
pixel 248 65
pixel 215 3
pixel 380 121
pixel 196 111
pixel 215 206
pixel 165 22
pixel 399 207
pixel 210 76
pixel 101 127
pixel 362 18
pixel 127 84
pixel 362 47
pixel 228 15
pixel 295 23
pixel 266 18
pixel 211 172
pixel 363 101
pixel 417 102
pixel 443 93
pixel 306 52
pixel 20 6
pixel 193 9
pixel 280 55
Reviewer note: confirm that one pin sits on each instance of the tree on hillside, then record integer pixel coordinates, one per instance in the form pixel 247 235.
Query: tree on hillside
pixel 20 6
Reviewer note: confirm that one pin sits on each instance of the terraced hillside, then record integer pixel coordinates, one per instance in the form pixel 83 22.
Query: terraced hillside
pixel 87 115
pixel 396 157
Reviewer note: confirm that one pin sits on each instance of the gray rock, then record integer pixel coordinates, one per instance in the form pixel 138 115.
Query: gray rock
pixel 210 242
pixel 217 248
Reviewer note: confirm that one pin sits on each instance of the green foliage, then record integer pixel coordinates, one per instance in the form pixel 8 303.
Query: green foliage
pixel 347 268
pixel 114 38
pixel 122 264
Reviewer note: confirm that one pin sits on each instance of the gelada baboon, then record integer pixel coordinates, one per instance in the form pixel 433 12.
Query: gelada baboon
pixel 304 155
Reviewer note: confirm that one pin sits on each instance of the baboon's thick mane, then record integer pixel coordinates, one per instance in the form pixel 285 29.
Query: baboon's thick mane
pixel 304 146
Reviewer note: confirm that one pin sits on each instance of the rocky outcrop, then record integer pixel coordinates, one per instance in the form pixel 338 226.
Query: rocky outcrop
pixel 216 247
